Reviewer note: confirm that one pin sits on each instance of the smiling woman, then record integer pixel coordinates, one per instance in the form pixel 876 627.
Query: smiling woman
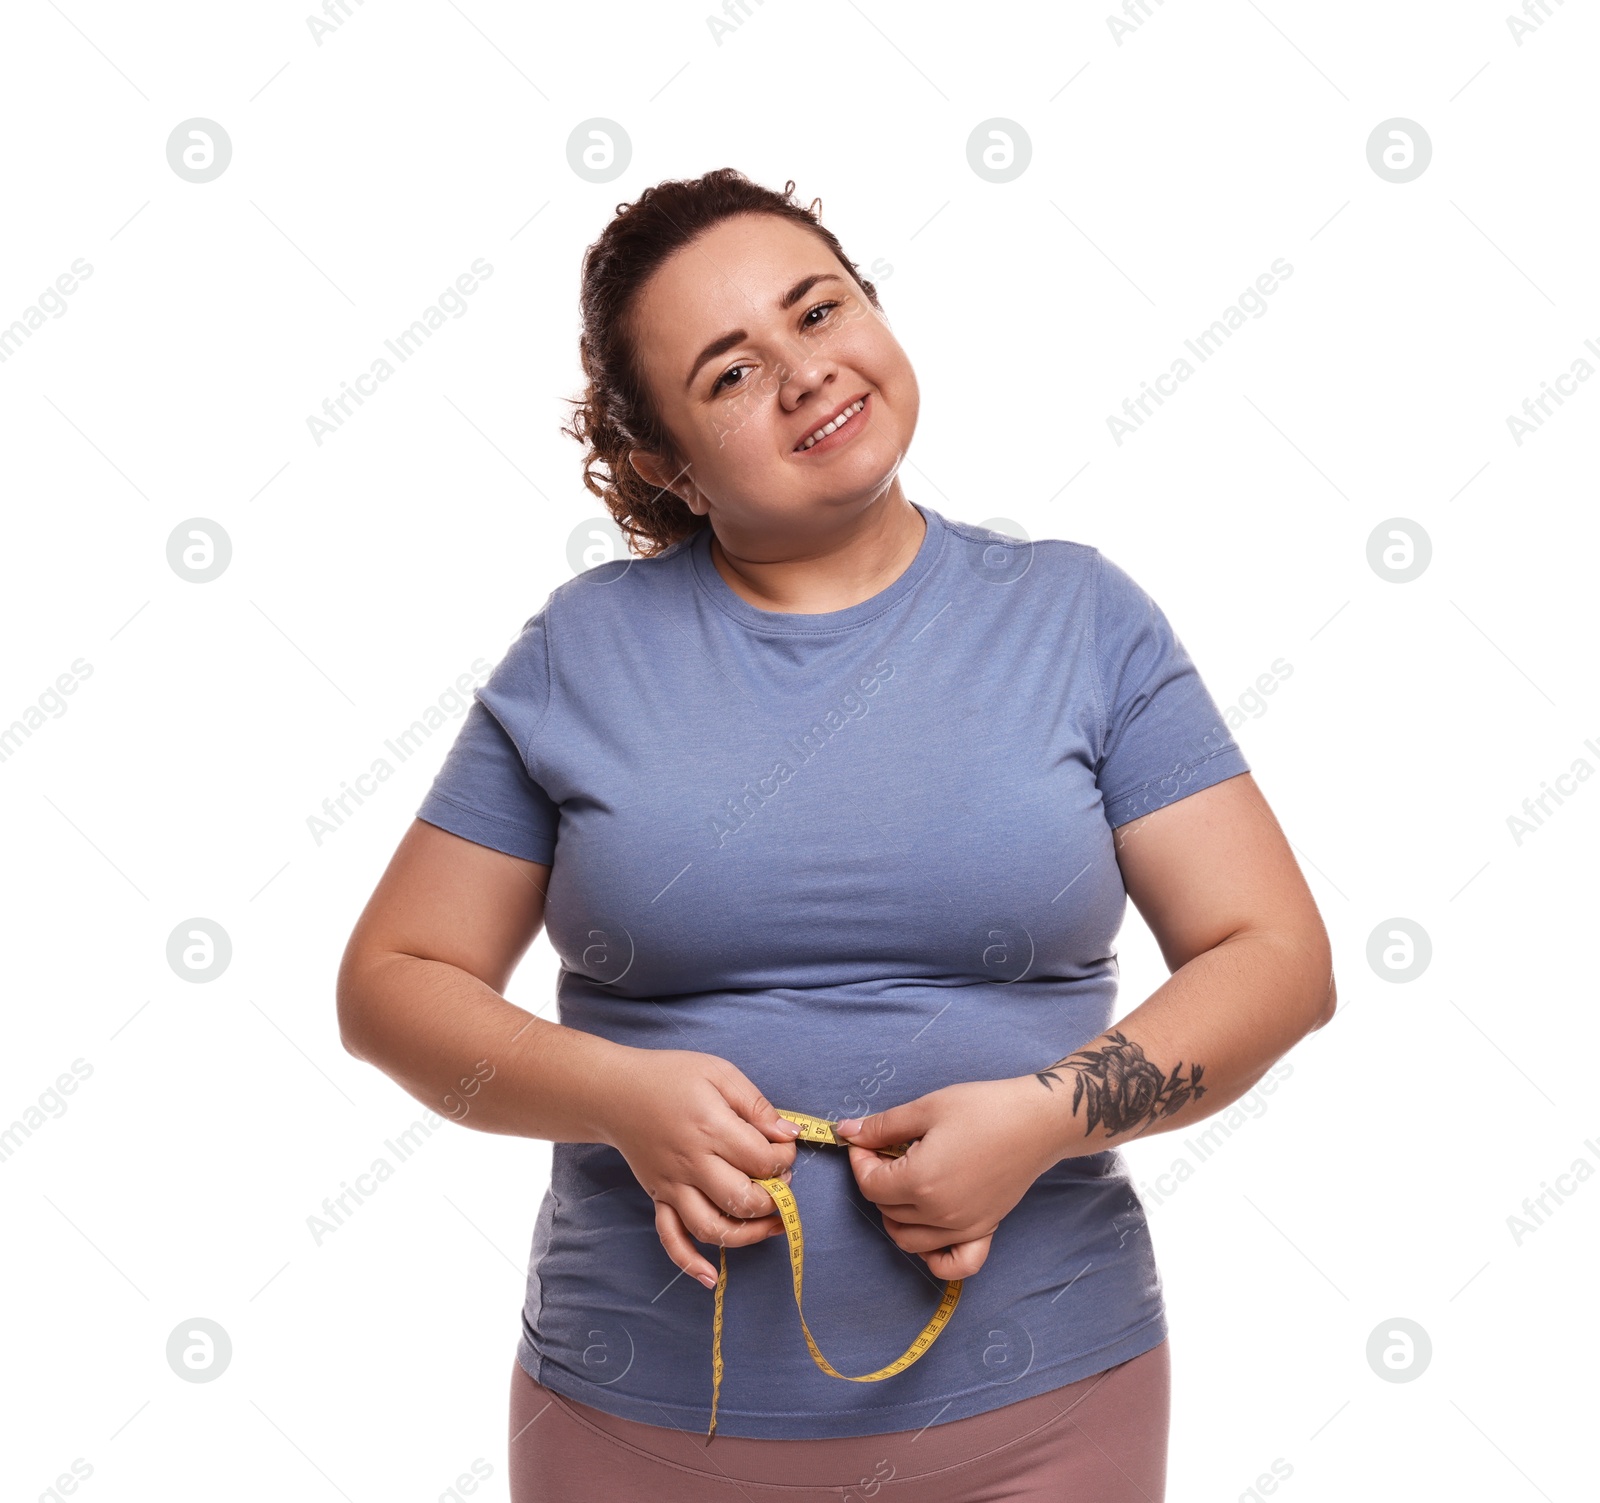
pixel 792 418
pixel 914 943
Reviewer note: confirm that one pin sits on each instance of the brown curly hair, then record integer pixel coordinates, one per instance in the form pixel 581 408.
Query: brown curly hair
pixel 615 415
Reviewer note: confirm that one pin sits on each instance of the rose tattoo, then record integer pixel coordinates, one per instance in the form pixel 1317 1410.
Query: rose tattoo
pixel 1123 1088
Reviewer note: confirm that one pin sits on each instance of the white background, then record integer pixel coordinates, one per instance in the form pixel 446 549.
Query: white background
pixel 368 572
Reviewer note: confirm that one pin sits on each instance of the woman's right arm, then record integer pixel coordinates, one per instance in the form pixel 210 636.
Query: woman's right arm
pixel 419 997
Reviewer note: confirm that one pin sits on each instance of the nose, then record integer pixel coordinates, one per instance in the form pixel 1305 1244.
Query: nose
pixel 811 375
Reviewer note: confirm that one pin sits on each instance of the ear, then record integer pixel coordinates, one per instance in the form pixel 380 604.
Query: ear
pixel 654 471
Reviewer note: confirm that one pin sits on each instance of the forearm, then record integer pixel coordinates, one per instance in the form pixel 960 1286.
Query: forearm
pixel 457 1046
pixel 1193 1047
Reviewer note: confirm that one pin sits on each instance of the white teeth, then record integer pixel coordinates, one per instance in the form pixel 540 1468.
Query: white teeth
pixel 836 424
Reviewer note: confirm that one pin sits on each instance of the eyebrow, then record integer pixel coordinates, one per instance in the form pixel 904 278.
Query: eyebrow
pixel 738 336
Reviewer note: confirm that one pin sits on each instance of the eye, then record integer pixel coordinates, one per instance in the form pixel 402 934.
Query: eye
pixel 805 322
pixel 717 386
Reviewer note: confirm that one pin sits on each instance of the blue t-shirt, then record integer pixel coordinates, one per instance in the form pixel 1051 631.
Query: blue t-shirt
pixel 862 854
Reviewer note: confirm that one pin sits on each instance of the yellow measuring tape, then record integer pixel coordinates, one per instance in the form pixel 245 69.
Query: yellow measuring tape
pixel 820 1130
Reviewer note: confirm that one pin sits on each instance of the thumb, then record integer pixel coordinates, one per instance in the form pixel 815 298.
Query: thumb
pixel 742 1094
pixel 899 1124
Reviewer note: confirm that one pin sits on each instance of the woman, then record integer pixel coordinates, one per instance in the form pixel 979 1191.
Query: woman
pixel 832 805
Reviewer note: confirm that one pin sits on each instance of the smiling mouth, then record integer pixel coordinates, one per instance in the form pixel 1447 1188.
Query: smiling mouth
pixel 828 429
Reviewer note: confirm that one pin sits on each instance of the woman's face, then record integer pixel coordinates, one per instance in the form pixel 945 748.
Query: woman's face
pixel 750 340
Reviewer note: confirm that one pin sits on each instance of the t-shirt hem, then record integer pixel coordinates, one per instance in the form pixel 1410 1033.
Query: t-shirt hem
pixel 835 1424
pixel 485 829
pixel 1215 767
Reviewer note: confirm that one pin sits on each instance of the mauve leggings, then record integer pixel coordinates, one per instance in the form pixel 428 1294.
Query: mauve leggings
pixel 1102 1439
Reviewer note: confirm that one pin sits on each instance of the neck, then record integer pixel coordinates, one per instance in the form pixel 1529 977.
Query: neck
pixel 807 573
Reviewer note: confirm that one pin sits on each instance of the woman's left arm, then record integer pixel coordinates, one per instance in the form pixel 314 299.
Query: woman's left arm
pixel 1252 974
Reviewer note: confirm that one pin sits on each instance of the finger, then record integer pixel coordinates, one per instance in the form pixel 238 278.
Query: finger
pixel 735 1193
pixel 960 1260
pixel 756 1157
pixel 759 1143
pixel 708 1222
pixel 752 1106
pixel 886 1182
pixel 675 1239
pixel 924 1237
pixel 896 1124
pixel 949 1259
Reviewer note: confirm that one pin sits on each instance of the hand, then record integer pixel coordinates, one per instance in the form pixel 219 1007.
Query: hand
pixel 696 1132
pixel 978 1147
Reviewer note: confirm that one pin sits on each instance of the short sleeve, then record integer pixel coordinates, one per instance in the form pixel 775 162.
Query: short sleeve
pixel 484 791
pixel 1162 735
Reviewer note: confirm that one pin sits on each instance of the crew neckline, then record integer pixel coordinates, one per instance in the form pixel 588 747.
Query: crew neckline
pixel 733 604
